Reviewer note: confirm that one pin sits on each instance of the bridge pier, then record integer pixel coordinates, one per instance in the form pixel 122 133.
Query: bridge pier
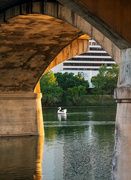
pixel 20 114
pixel 122 150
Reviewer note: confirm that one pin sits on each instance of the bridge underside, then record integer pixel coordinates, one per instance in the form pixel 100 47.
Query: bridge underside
pixel 28 45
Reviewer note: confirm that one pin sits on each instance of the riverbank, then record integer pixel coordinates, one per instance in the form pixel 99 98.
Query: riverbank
pixel 96 100
pixel 87 100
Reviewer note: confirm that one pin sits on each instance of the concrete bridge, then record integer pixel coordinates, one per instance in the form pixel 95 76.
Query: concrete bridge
pixel 33 35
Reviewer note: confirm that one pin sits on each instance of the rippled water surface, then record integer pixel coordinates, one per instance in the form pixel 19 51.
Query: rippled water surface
pixel 77 146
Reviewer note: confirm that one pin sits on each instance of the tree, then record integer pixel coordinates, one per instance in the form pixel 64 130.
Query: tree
pixel 99 81
pixel 51 92
pixel 73 93
pixel 76 92
pixel 111 78
pixel 68 80
pixel 81 90
pixel 106 80
pixel 48 78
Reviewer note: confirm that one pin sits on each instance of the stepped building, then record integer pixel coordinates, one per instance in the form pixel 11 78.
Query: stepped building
pixel 86 64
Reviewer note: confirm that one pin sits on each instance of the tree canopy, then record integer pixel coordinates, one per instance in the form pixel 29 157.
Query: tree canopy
pixel 48 78
pixel 112 78
pixel 99 81
pixel 69 89
pixel 106 80
pixel 62 88
pixel 49 88
pixel 69 80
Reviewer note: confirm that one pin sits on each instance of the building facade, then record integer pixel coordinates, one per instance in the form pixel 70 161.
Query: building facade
pixel 86 64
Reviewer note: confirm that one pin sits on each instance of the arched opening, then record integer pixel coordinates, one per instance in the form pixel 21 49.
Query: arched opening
pixel 33 40
pixel 55 10
pixel 59 11
pixel 120 51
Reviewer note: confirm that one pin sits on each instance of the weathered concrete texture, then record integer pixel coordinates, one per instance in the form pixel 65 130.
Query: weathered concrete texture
pixel 59 11
pixel 113 13
pixel 20 114
pixel 122 151
pixel 123 94
pixel 125 68
pixel 99 14
pixel 78 46
pixel 27 46
pixel 106 16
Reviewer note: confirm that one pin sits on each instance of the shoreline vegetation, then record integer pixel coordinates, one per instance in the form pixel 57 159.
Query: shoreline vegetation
pixel 68 89
pixel 87 100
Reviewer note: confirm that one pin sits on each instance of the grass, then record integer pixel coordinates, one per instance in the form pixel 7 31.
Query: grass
pixel 96 100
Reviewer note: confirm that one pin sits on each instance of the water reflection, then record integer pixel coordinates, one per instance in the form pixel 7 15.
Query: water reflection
pixel 80 147
pixel 21 158
pixel 76 146
pixel 40 144
pixel 62 117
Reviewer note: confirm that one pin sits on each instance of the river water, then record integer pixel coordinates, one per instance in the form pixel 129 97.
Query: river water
pixel 78 146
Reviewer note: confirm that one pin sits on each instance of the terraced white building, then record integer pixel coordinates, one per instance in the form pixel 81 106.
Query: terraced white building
pixel 86 64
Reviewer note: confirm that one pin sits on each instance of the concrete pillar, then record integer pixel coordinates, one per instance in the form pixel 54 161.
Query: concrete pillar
pixel 122 150
pixel 21 114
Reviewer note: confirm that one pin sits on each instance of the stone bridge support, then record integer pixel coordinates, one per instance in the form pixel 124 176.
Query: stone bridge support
pixel 20 114
pixel 122 151
pixel 21 111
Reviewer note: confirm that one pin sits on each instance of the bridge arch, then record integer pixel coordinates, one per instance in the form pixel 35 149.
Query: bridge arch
pixel 57 10
pixel 14 105
pixel 61 12
pixel 18 74
pixel 21 64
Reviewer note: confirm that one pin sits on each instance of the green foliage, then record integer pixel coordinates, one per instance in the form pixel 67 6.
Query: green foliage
pixel 68 90
pixel 76 92
pixel 48 78
pixel 99 81
pixel 51 92
pixel 106 80
pixel 73 93
pixel 68 80
pixel 64 89
pixel 81 90
pixel 111 78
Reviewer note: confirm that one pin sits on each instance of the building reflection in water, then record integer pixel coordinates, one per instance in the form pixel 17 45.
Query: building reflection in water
pixel 21 157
